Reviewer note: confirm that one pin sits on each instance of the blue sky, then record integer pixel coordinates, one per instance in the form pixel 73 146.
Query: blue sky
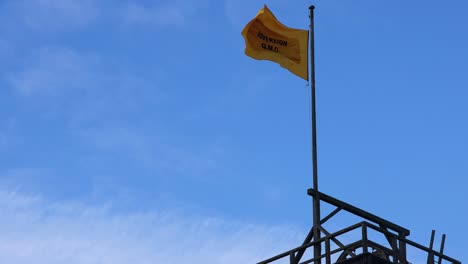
pixel 129 128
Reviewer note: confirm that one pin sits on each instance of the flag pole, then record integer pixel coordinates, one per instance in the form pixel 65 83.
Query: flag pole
pixel 316 198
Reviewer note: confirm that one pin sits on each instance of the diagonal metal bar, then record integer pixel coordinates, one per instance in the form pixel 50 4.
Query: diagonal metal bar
pixel 330 215
pixel 402 247
pixel 430 256
pixel 284 254
pixel 292 259
pixel 442 248
pixel 400 251
pixel 391 240
pixel 307 240
pixel 359 212
pixel 398 248
pixel 334 239
pixel 414 244
pixel 352 245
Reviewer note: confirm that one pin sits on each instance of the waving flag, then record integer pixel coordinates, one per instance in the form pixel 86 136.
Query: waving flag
pixel 267 39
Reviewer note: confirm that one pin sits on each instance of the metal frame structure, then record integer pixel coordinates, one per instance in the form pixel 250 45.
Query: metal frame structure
pixel 363 250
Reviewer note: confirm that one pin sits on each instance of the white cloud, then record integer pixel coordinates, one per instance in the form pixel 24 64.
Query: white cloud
pixel 156 15
pixel 70 15
pixel 169 13
pixel 153 151
pixel 104 97
pixel 36 231
pixel 51 70
pixel 55 14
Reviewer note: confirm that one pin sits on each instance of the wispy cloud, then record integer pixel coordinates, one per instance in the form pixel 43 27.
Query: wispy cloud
pixel 155 152
pixel 165 15
pixel 105 101
pixel 36 231
pixel 51 70
pixel 13 175
pixel 162 14
pixel 69 15
pixel 53 14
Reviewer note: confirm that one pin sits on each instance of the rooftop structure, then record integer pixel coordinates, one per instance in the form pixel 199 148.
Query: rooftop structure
pixel 363 250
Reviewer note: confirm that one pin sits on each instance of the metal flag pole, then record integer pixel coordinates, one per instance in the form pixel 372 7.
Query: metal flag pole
pixel 316 199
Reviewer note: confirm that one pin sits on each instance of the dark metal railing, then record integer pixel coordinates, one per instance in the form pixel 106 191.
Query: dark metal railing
pixel 394 254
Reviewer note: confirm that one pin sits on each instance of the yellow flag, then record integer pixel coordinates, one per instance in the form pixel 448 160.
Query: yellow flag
pixel 267 39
